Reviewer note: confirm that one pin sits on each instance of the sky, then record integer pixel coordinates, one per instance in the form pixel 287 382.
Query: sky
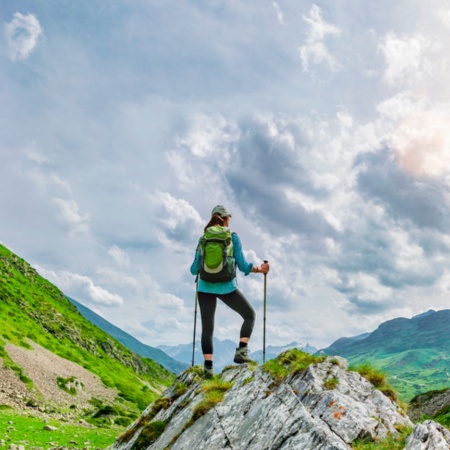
pixel 321 126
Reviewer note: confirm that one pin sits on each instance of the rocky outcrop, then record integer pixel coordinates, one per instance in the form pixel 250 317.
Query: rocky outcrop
pixel 428 436
pixel 430 404
pixel 324 406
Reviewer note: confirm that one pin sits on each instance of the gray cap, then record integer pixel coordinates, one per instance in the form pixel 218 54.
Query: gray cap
pixel 219 209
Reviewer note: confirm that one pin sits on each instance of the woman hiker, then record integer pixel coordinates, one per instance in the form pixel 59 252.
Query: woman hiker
pixel 209 289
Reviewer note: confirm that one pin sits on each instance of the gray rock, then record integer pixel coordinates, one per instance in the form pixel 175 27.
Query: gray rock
pixel 428 435
pixel 258 413
pixel 49 428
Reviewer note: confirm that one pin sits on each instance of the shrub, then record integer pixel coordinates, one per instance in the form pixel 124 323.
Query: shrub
pixel 159 404
pixel 123 421
pixel 107 410
pixel 331 383
pixel 65 384
pixel 180 389
pixel 392 442
pixel 377 378
pixel 151 432
pixel 214 390
pixel 290 362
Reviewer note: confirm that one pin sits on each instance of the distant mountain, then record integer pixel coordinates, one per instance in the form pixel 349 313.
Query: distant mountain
pixel 129 341
pixel 224 352
pixel 345 341
pixel 415 353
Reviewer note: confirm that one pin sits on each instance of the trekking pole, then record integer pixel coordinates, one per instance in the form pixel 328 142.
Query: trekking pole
pixel 195 321
pixel 264 323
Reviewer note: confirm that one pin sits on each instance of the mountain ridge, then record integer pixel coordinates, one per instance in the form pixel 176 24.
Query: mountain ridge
pixel 414 352
pixel 129 341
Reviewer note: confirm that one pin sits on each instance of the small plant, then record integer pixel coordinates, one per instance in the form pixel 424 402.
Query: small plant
pixel 392 442
pixel 248 380
pixel 214 390
pixel 68 384
pixel 290 362
pixel 180 389
pixel 19 372
pixel 150 433
pixel 159 404
pixel 107 410
pixel 24 344
pixel 377 378
pixel 197 370
pixel 123 421
pixel 331 383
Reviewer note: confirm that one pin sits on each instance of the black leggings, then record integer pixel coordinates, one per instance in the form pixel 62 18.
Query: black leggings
pixel 237 302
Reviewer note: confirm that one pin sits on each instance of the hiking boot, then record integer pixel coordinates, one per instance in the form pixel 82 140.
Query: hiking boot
pixel 208 373
pixel 241 355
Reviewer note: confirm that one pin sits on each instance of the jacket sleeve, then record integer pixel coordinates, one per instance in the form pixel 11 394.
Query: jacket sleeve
pixel 238 254
pixel 194 266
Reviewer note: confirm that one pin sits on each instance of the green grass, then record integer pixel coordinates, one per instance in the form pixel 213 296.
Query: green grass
pixel 377 378
pixel 390 443
pixel 32 308
pixel 290 362
pixel 150 433
pixel 214 391
pixel 30 429
pixel 410 372
pixel 331 384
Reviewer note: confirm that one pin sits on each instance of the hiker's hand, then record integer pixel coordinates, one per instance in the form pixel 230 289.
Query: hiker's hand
pixel 264 268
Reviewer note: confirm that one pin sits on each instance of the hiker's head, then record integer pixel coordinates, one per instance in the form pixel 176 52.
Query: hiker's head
pixel 219 216
pixel 221 211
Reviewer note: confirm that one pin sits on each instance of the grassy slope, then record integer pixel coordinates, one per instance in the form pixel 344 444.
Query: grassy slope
pixel 414 353
pixel 412 371
pixel 22 429
pixel 31 307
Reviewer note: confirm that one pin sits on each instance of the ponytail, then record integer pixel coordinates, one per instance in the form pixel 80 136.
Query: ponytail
pixel 216 219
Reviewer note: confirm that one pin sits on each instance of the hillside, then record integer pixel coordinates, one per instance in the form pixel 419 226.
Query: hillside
pixel 129 341
pixel 415 352
pixel 42 330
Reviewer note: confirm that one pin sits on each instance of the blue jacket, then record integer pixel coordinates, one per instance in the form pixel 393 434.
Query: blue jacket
pixel 227 286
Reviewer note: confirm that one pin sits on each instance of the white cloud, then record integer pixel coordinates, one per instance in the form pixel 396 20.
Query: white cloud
pixel 406 58
pixel 315 52
pixel 69 215
pixel 81 287
pixel 422 142
pixel 176 212
pixel 121 258
pixel 44 180
pixel 279 13
pixel 22 35
pixel 444 15
pixel 210 135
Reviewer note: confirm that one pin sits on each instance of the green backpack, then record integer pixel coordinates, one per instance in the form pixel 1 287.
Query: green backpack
pixel 217 263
